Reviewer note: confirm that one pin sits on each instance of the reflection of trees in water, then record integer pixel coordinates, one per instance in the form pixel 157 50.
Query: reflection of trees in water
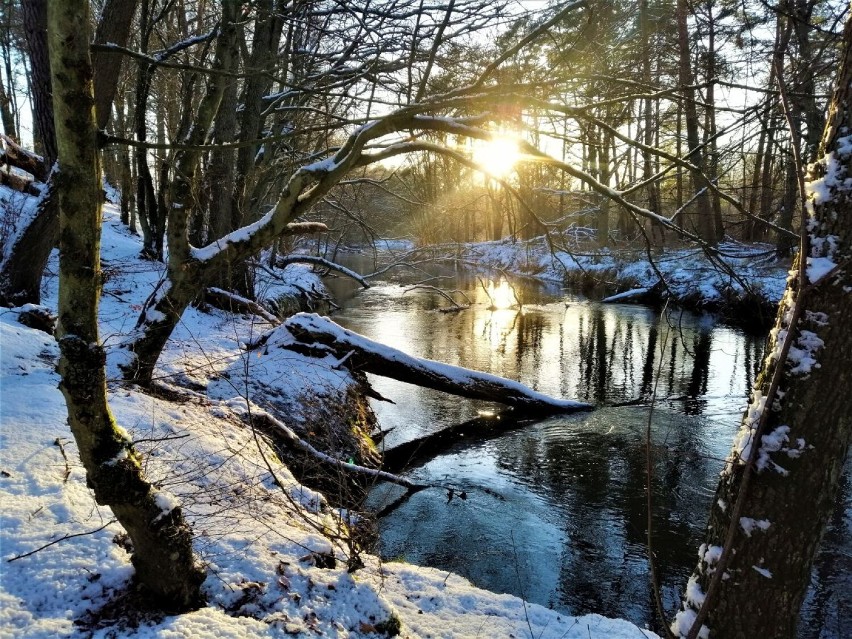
pixel 593 355
pixel 595 480
pixel 531 329
pixel 753 348
pixel 613 347
pixel 648 369
pixel 592 481
pixel 697 386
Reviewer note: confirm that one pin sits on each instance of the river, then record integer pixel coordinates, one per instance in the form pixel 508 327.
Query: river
pixel 555 509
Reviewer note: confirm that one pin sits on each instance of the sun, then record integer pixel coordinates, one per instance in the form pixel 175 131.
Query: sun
pixel 497 156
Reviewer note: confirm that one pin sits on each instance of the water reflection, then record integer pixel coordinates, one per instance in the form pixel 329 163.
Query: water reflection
pixel 501 295
pixel 556 511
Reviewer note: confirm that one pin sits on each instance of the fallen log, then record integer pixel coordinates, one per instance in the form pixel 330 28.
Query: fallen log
pixel 229 301
pixel 18 183
pixel 373 357
pixel 17 156
pixel 626 295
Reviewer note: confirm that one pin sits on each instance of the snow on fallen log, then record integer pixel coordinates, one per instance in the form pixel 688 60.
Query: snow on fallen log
pixel 635 292
pixel 376 358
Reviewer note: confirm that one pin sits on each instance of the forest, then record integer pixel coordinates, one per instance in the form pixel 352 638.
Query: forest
pixel 425 319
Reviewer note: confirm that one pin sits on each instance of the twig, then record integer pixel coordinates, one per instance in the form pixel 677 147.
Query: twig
pixel 63 538
pixel 649 497
pixel 442 293
pixel 520 584
pixel 159 439
pixel 58 442
pixel 485 288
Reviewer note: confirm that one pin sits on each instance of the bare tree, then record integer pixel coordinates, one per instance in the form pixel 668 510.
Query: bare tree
pixel 162 541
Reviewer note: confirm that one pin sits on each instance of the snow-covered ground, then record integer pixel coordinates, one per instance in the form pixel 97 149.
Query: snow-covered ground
pixel 265 539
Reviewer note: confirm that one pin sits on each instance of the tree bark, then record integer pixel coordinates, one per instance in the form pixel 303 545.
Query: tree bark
pixel 780 483
pixel 9 125
pixel 113 27
pixel 220 178
pixel 35 29
pixel 162 541
pixel 264 50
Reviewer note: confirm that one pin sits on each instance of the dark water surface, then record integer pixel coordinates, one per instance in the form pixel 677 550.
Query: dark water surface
pixel 556 509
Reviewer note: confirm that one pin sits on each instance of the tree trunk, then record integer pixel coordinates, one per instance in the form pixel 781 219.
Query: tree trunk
pixel 113 27
pixel 704 224
pixel 125 176
pixel 146 201
pixel 653 188
pixel 264 50
pixel 804 108
pixel 220 178
pixel 10 128
pixel 712 162
pixel 775 497
pixel 604 176
pixel 27 252
pixel 35 29
pixel 185 277
pixel 162 541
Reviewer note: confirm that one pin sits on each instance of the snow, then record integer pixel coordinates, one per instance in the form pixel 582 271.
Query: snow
pixel 710 555
pixel 683 623
pixel 801 356
pixel 743 440
pixel 749 525
pixel 694 594
pixel 321 166
pixel 762 571
pixel 166 502
pixel 257 530
pixel 819 267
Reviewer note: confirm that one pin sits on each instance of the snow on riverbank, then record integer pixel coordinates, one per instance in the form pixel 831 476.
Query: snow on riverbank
pixel 267 541
pixel 740 273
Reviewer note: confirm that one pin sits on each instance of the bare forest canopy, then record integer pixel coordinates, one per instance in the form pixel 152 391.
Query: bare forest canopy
pixel 651 121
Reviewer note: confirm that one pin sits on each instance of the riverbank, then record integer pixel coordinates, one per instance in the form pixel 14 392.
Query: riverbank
pixel 742 283
pixel 276 551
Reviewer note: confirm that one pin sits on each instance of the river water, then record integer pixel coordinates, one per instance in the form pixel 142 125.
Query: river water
pixel 555 509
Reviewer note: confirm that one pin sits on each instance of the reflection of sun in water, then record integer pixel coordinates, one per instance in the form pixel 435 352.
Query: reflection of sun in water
pixel 502 295
pixel 497 156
